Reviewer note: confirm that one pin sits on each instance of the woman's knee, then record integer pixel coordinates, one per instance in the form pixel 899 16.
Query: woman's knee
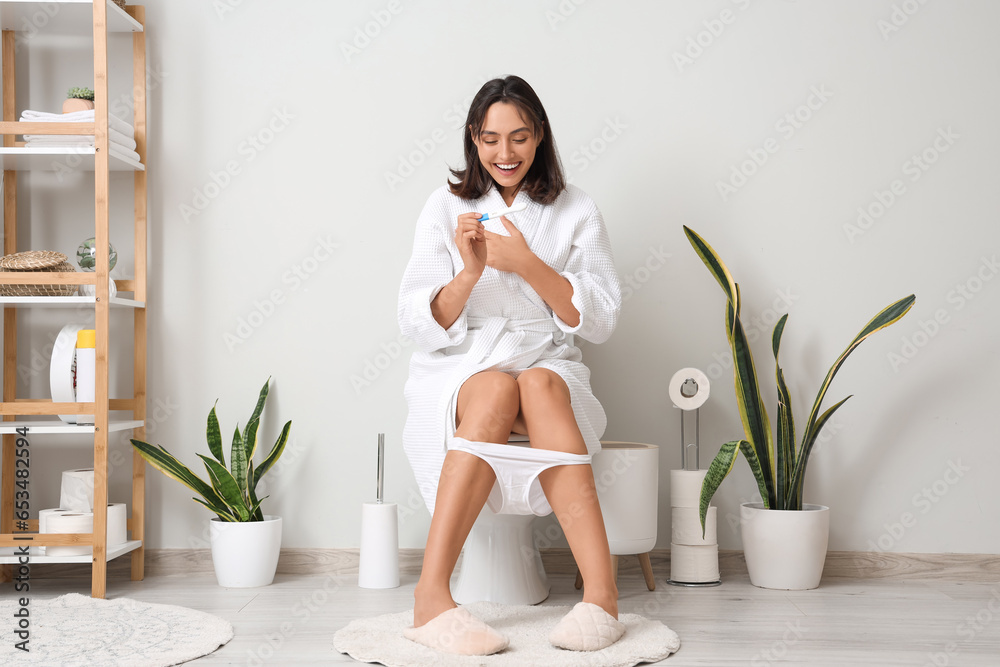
pixel 491 396
pixel 538 383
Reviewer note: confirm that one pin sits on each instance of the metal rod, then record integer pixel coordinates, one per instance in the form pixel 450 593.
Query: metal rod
pixel 381 466
pixel 685 445
pixel 697 439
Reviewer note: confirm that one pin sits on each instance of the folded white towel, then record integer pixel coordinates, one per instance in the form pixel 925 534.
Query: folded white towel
pixel 114 122
pixel 114 149
pixel 114 136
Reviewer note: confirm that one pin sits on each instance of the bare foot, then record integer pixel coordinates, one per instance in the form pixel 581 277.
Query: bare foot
pixel 428 604
pixel 605 599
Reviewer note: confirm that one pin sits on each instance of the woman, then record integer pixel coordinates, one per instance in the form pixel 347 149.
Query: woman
pixel 494 307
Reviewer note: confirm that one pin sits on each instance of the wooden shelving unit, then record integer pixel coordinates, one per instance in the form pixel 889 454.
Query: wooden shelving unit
pixel 76 17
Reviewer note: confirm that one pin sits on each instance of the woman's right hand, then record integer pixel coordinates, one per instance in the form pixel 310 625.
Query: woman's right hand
pixel 470 238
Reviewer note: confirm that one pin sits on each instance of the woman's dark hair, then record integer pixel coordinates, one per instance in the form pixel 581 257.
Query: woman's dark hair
pixel 544 180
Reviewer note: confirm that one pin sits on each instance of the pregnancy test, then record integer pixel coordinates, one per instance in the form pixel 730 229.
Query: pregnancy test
pixel 516 208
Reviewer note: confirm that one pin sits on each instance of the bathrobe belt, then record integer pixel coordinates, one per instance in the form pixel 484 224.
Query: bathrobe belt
pixel 506 343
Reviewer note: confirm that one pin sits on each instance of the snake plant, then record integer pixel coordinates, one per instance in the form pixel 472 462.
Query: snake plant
pixel 777 465
pixel 232 494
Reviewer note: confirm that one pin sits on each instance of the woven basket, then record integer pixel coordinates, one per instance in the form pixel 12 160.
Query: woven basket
pixel 120 3
pixel 36 261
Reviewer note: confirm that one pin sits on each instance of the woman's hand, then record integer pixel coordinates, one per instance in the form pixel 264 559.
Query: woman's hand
pixel 471 241
pixel 508 253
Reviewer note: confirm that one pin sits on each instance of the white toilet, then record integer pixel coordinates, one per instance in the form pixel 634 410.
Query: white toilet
pixel 500 561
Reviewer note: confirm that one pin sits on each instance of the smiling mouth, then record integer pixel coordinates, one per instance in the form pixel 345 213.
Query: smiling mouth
pixel 506 168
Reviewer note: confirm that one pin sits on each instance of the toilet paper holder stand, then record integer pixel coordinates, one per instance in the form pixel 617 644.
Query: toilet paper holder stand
pixel 687 448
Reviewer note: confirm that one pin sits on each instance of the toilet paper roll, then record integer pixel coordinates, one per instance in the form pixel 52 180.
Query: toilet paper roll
pixel 43 517
pixel 685 487
pixel 118 524
pixel 681 395
pixel 69 522
pixel 77 491
pixel 62 368
pixel 685 527
pixel 694 565
pixel 44 514
pixel 378 565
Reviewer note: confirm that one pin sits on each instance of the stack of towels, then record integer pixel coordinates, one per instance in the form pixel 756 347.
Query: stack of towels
pixel 121 134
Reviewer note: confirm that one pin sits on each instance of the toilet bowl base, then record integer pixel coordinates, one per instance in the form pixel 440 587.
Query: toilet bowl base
pixel 500 562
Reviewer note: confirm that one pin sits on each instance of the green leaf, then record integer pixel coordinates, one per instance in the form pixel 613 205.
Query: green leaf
pixel 756 469
pixel 214 436
pixel 261 399
pixel 163 461
pixel 717 471
pixel 238 464
pixel 779 329
pixel 753 414
pixel 227 487
pixel 279 447
pixel 885 317
pixel 224 513
pixel 798 477
pixel 250 440
pixel 714 264
pixel 249 433
pixel 785 436
pixel 255 513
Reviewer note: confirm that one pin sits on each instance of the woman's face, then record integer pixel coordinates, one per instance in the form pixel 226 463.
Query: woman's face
pixel 506 146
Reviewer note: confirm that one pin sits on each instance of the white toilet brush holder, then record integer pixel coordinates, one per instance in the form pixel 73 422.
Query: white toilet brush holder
pixel 378 563
pixel 378 566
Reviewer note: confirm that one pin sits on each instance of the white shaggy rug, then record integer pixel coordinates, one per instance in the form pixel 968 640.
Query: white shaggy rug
pixel 381 640
pixel 75 631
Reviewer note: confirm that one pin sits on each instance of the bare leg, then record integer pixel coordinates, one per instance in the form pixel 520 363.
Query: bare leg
pixel 547 417
pixel 487 406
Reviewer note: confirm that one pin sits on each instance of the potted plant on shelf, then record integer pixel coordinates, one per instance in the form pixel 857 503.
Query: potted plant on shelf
pixel 784 540
pixel 245 542
pixel 78 99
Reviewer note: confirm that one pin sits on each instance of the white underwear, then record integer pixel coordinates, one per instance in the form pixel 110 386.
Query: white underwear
pixel 517 489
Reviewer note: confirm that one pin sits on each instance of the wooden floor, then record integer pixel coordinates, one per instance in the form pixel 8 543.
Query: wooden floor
pixel 844 622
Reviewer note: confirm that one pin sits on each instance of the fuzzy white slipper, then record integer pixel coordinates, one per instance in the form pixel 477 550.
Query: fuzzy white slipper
pixel 458 631
pixel 586 628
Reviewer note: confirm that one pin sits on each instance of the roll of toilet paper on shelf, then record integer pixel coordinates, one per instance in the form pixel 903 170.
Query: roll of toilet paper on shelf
pixel 62 368
pixel 43 516
pixel 69 522
pixel 118 524
pixel 378 564
pixel 690 397
pixel 685 527
pixel 694 564
pixel 77 490
pixel 685 487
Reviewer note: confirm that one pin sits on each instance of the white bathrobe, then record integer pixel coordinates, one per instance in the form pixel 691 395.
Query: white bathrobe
pixel 505 324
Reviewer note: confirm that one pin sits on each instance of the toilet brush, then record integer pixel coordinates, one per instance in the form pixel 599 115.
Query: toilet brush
pixel 378 565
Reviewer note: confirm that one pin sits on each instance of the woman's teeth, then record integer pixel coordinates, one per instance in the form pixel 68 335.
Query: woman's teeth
pixel 508 167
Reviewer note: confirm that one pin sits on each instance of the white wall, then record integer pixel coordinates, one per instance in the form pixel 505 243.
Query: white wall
pixel 663 133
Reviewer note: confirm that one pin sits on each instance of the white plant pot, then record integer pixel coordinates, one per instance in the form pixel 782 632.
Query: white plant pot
pixel 245 554
pixel 785 549
pixel 627 479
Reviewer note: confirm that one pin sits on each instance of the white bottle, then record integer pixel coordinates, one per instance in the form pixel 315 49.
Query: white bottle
pixel 86 371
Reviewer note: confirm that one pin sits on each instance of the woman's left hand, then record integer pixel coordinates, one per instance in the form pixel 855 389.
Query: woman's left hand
pixel 508 253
